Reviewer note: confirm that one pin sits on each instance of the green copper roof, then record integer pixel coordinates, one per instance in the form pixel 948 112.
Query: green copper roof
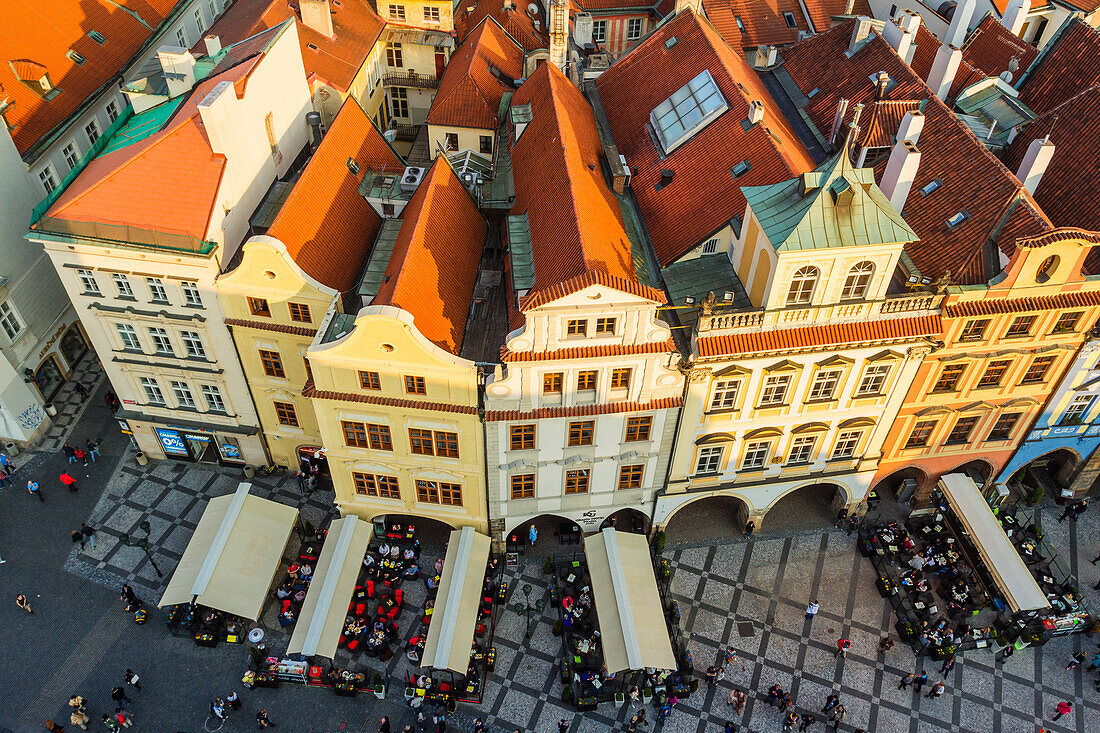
pixel 143 124
pixel 379 260
pixel 519 249
pixel 837 205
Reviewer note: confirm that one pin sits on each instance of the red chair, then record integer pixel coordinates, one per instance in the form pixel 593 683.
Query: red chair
pixel 343 641
pixel 480 630
pixel 286 604
pixel 370 589
pixel 392 613
pixel 397 595
pixel 353 645
pixel 444 686
pixel 360 609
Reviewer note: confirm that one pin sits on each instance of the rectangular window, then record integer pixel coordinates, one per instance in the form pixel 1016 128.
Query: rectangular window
pixel 200 23
pixel 576 327
pixel 1038 369
pixel 370 380
pixel 191 294
pixel 272 363
pixel 630 477
pixel 369 484
pixel 949 378
pixel 161 343
pixel 974 330
pixel 523 486
pixel 620 378
pixel 756 455
pixel 394 58
pixel 92 131
pixel 874 380
pixel 157 293
pixel 825 384
pixel 551 383
pixel 790 20
pixel 638 428
pixel 420 442
pixel 710 246
pixel 1020 327
pixel 259 307
pixel 300 312
pixel 355 434
pixel 580 433
pixel 709 459
pixel 961 432
pixel 192 344
pixel 415 385
pixel 1075 413
pixel 775 390
pixel 586 380
pixel 485 144
pixel 922 433
pixel 49 180
pixel 431 13
pixel 128 336
pixel 10 321
pixel 122 285
pixel 181 38
pixel 434 492
pixel 71 157
pixel 88 282
pixel 1002 429
pixel 521 437
pixel 379 437
pixel 213 397
pixel 1067 322
pixel 847 443
pixel 994 373
pixel 112 111
pixel 576 482
pixel 633 29
pixel 599 31
pixel 802 450
pixel 446 444
pixel 152 391
pixel 183 395
pixel 725 394
pixel 450 142
pixel 397 12
pixel 605 325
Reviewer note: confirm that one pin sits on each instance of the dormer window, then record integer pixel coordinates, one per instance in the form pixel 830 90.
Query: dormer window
pixel 690 108
pixel 857 282
pixel 97 37
pixel 739 22
pixel 790 20
pixel 803 285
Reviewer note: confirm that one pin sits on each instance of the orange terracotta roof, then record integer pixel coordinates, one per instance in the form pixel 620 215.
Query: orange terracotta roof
pixel 990 306
pixel 891 329
pixel 434 265
pixel 1068 65
pixel 518 23
pixel 822 11
pixel 275 327
pixel 614 408
pixel 327 227
pixel 721 15
pixel 763 20
pixel 577 234
pixel 588 352
pixel 469 93
pixel 993 49
pixel 650 74
pixel 310 390
pixel 356 28
pixel 1002 5
pixel 37 38
pixel 880 121
pixel 925 54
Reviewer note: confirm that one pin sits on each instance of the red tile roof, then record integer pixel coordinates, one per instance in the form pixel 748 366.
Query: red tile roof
pixel 310 390
pixel 880 121
pixel 356 28
pixel 822 11
pixel 925 54
pixel 518 23
pixel 577 233
pixel 434 265
pixel 588 352
pixel 763 20
pixel 275 327
pixel 989 306
pixel 651 73
pixel 612 408
pixel 971 178
pixel 882 330
pixel 37 38
pixel 469 93
pixel 1068 65
pixel 993 49
pixel 327 227
pixel 722 16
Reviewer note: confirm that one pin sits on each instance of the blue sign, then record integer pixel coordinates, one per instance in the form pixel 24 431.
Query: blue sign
pixel 172 442
pixel 230 451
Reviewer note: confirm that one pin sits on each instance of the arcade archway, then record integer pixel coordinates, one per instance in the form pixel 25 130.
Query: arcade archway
pixel 711 518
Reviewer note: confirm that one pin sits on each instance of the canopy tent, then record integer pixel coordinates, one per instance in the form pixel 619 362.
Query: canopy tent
pixel 233 554
pixel 451 633
pixel 628 607
pixel 321 621
pixel 1001 559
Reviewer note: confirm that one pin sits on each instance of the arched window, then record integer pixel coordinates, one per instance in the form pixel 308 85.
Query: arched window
pixel 858 280
pixel 802 286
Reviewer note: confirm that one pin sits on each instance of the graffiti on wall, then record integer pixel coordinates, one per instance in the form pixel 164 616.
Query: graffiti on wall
pixel 31 417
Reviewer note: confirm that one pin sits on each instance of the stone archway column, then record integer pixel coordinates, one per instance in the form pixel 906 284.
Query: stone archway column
pixel 1087 476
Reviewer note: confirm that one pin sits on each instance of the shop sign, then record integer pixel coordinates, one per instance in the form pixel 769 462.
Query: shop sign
pixel 230 451
pixel 172 442
pixel 199 438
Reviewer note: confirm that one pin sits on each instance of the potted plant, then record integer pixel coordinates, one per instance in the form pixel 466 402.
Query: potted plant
pixel 620 698
pixel 1035 495
pixel 379 686
pixel 647 695
pixel 567 695
pixel 659 541
pixel 548 565
pixel 559 627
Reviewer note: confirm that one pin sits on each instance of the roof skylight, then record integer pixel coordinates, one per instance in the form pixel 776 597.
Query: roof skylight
pixel 690 108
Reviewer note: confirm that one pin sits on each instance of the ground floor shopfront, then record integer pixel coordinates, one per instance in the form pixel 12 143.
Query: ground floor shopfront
pixel 1057 459
pixel 193 442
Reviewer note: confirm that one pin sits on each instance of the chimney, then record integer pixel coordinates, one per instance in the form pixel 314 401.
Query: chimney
pixel 213 45
pixel 1035 163
pixel 313 119
pixel 217 112
pixel 849 6
pixel 911 125
pixel 582 29
pixel 1015 15
pixel 838 119
pixel 899 38
pixel 901 171
pixel 559 33
pixel 910 21
pixel 943 70
pixel 756 112
pixel 178 66
pixel 860 31
pixel 882 81
pixel 693 5
pixel 960 23
pixel 317 15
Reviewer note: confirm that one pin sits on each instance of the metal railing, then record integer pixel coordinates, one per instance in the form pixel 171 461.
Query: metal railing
pixel 122 235
pixel 410 79
pixel 795 316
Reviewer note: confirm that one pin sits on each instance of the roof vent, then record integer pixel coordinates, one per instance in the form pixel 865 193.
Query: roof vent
pixel 411 179
pixel 756 112
pixel 97 37
pixel 353 166
pixel 666 178
pixel 741 169
pixel 671 42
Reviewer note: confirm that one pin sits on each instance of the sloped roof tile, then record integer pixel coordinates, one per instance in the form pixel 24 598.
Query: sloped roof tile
pixel 518 23
pixel 993 49
pixel 1068 65
pixel 893 329
pixel 469 93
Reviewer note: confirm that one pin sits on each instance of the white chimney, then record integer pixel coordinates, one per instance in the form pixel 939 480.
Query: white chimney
pixel 901 171
pixel 911 125
pixel 559 33
pixel 899 38
pixel 960 23
pixel 838 119
pixel 943 70
pixel 756 112
pixel 692 5
pixel 860 31
pixel 910 21
pixel 216 110
pixel 1015 15
pixel 317 15
pixel 1035 163
pixel 213 44
pixel 582 28
pixel 178 66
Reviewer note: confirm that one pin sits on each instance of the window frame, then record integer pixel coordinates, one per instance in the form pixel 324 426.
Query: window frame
pixel 157 292
pixel 88 282
pixel 999 432
pixel 576 327
pixel 370 380
pixel 210 395
pixel 708 460
pixel 974 330
pixel 723 393
pixel 967 422
pixel 377 485
pixel 1071 414
pixel 877 381
pixel 525 483
pixel 1003 365
pixel 631 476
pixel 638 428
pixel 415 385
pixel 761 449
pixel 580 433
pixel 605 325
pixel 259 307
pixel 421 442
pixel 587 379
pixel 620 377
pixel 631 33
pixel 192 344
pixel 11 322
pixel 1041 362
pixel 521 437
pixel 803 286
pixel 856 284
pixel 790 19
pixel 552 382
pixel 578 481
pixel 272 363
pixel 949 382
pixel 798 443
pixel 768 391
pixel 299 312
pixel 821 376
pixel 1014 331
pixel 123 289
pixel 161 340
pixel 847 444
pixel 1067 322
pixel 396 11
pixel 599 31
pixel 191 295
pixel 154 395
pixel 286 413
pixel 922 429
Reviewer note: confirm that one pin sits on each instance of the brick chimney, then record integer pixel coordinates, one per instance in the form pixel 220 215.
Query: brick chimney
pixel 943 69
pixel 960 23
pixel 901 171
pixel 317 15
pixel 1035 162
pixel 178 66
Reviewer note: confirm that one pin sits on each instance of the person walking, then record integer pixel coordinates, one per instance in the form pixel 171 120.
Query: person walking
pixel 6 464
pixel 936 690
pixel 217 709
pixel 5 479
pixel 89 533
pixel 1095 663
pixel 1064 708
pixel 110 722
pixel 384 725
pixel 906 680
pixel 82 456
pixel 123 719
pixel 919 682
pixel 563 727
pixel 79 718
pixel 131 679
pixel 67 481
pixel 34 490
pixel 92 449
pixel 885 644
pixel 842 646
pixel 774 694
pixel 737 700
pixel 22 602
pixel 533 536
pixel 838 716
pixel 1080 508
pixel 812 609
pixel 263 721
pixel 76 702
pixel 784 701
pixel 714 673
pixel 1075 660
pixel 947 666
pixel 790 721
pixel 233 700
pixel 830 702
pixel 808 719
pixel 479 726
pixel 69 452
pixel 118 694
pixel 78 539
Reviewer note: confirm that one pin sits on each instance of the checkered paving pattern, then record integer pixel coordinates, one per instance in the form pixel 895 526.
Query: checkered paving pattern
pixel 70 405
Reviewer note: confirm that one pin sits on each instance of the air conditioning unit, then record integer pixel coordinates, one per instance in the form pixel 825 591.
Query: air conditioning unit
pixel 411 178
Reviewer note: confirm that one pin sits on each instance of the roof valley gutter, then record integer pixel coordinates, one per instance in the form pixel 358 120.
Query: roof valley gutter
pixel 622 599
pixel 454 599
pixel 328 588
pixel 213 555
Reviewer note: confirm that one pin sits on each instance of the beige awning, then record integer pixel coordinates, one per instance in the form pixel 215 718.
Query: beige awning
pixel 321 622
pixel 1001 559
pixel 233 555
pixel 451 632
pixel 628 606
